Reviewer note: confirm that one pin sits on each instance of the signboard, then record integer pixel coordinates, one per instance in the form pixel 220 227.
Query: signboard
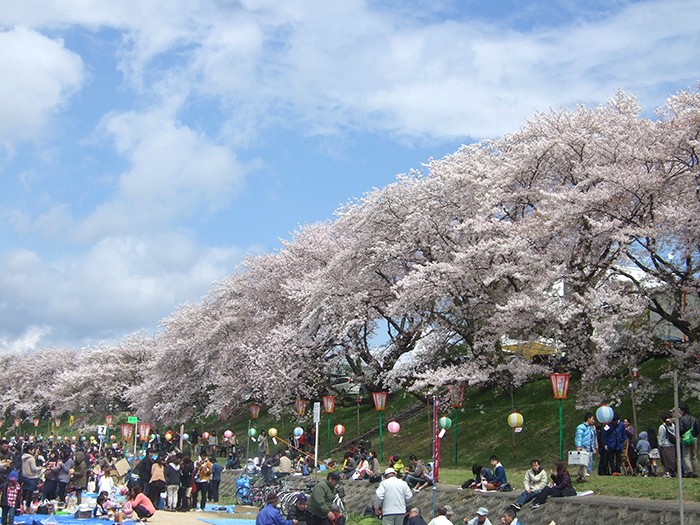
pixel 132 420
pixel 102 430
pixel 317 412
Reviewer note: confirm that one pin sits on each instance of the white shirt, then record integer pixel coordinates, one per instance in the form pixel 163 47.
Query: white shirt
pixel 440 520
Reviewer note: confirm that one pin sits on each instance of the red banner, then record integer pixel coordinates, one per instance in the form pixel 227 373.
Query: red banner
pixel 144 431
pixel 127 431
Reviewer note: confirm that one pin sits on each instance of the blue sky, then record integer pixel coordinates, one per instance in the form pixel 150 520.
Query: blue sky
pixel 146 147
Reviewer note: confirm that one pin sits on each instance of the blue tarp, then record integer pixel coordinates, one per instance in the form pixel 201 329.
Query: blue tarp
pixel 30 519
pixel 226 521
pixel 213 507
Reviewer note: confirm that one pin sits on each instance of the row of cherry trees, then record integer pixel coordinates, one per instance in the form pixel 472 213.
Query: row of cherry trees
pixel 583 228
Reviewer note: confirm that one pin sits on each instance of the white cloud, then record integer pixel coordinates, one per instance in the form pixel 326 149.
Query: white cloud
pixel 120 285
pixel 176 172
pixel 38 76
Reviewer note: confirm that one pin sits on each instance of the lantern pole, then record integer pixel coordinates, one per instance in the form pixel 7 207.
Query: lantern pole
pixel 560 386
pixel 379 405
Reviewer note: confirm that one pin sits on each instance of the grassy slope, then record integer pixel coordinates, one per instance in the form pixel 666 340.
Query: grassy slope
pixel 483 430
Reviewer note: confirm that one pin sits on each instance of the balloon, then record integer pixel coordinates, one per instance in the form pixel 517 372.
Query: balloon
pixel 252 432
pixel 604 414
pixel 339 430
pixel 185 437
pixel 445 422
pixel 74 438
pixel 228 434
pixel 168 436
pixel 272 432
pixel 298 431
pixel 394 427
pixel 152 436
pixel 113 437
pixel 515 420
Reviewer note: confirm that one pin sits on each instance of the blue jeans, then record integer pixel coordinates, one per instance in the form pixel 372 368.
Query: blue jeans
pixel 526 496
pixel 8 515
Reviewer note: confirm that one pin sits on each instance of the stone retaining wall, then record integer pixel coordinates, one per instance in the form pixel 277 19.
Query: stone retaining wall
pixel 581 510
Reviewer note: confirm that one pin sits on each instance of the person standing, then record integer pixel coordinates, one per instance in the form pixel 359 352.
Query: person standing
pixel 172 482
pixel 321 500
pixel 31 474
pixel 391 497
pixel 666 436
pixel 78 476
pixel 202 476
pixel 215 480
pixel 688 433
pixel 586 440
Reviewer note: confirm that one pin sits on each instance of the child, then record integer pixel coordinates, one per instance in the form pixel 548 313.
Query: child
pixel 338 518
pixel 396 463
pixel 101 509
pixel 429 480
pixel 11 498
pixel 643 448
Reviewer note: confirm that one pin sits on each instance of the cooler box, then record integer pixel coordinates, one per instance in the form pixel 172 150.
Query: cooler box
pixel 579 457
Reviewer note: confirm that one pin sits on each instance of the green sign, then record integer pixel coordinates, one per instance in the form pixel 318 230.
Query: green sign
pixel 132 420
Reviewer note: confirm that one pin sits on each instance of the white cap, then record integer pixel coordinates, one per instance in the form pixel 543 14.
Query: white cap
pixel 389 471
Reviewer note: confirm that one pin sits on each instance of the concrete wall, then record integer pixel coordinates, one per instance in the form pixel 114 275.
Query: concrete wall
pixel 580 510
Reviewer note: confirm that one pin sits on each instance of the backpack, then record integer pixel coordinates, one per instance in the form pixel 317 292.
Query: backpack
pixel 688 438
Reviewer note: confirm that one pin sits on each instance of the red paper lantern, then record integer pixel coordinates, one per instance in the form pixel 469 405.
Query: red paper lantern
pixel 328 403
pixel 300 406
pixel 254 410
pixel 560 384
pixel 379 399
pixel 108 419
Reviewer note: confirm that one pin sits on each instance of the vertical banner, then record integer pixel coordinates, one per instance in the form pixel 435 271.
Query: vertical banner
pixel 436 439
pixel 127 431
pixel 144 431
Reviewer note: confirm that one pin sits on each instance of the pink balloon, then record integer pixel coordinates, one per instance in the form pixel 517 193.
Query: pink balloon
pixel 394 427
pixel 228 434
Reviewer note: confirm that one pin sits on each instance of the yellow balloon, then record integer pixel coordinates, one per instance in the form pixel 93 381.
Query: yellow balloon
pixel 272 432
pixel 515 420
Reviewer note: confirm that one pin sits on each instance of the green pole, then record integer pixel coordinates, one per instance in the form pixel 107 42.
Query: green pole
pixel 329 435
pixel 561 430
pixel 381 452
pixel 456 433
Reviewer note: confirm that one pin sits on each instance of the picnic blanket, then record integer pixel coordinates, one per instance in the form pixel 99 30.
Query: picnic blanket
pixel 40 519
pixel 213 507
pixel 227 521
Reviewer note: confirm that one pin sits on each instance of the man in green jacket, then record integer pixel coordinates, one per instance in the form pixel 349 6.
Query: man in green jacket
pixel 319 505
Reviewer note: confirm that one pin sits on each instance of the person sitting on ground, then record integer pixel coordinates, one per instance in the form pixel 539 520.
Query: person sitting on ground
pixel 349 465
pixel 499 475
pixel 100 510
pixel 429 480
pixel 558 488
pixel 643 448
pixel 298 511
pixel 398 466
pixel 441 518
pixel 374 473
pixel 141 505
pixel 232 463
pixel 416 472
pixel 480 474
pixel 481 517
pixel 414 517
pixel 535 481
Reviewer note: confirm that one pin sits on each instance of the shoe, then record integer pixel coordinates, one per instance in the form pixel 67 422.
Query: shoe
pixel 581 480
pixel 535 506
pixel 198 510
pixel 515 506
pixel 587 474
pixel 692 475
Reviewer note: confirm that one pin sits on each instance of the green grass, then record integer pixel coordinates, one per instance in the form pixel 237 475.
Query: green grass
pixel 482 431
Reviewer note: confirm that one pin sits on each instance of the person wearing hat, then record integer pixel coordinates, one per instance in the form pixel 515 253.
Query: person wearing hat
pixel 319 504
pixel 441 518
pixel 270 514
pixel 11 498
pixel 298 511
pixel 391 497
pixel 480 518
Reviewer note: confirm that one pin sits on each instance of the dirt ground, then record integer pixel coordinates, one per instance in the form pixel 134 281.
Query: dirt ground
pixel 194 518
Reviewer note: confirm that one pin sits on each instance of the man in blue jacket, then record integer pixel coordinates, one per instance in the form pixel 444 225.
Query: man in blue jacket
pixel 585 439
pixel 271 515
pixel 615 440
